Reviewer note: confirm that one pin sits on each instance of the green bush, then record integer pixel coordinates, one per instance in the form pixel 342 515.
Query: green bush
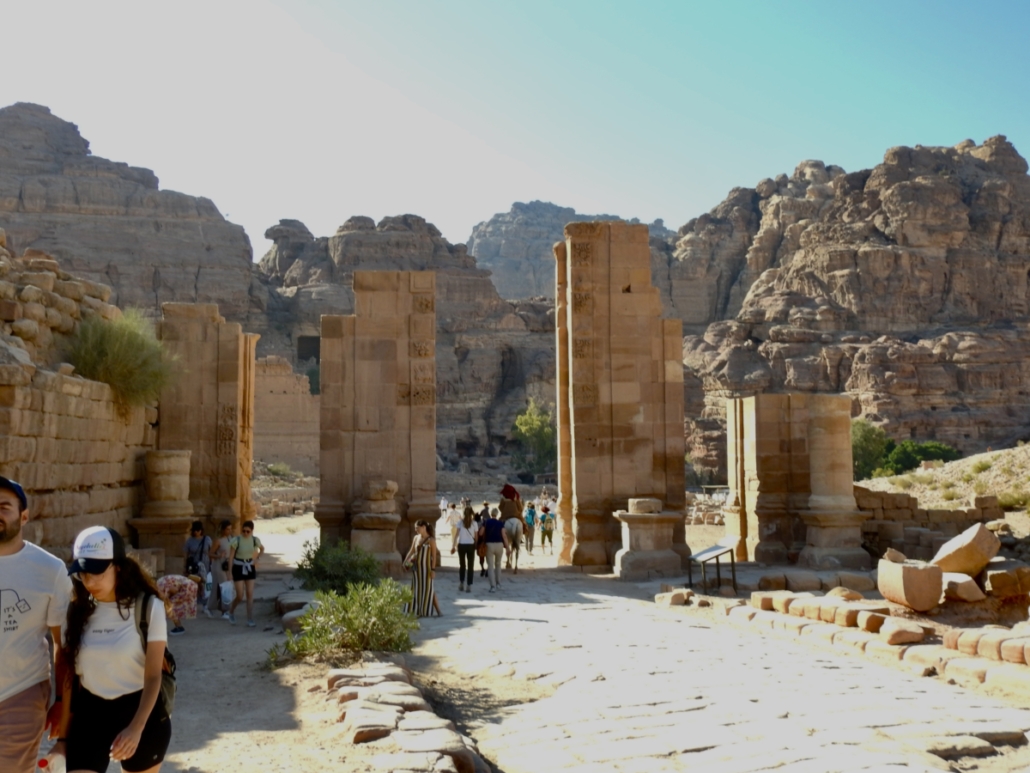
pixel 1013 500
pixel 980 487
pixel 280 470
pixel 923 479
pixel 908 454
pixel 948 484
pixel 868 446
pixel 537 436
pixel 967 477
pixel 904 483
pixel 981 466
pixel 325 567
pixel 882 472
pixel 123 353
pixel 949 495
pixel 336 628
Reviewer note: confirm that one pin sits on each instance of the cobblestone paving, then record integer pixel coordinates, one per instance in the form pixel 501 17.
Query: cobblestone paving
pixel 643 689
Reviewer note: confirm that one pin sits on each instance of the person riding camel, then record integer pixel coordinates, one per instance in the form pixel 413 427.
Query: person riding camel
pixel 510 507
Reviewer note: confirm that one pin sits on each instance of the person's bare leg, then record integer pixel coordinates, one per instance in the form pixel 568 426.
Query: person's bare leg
pixel 250 599
pixel 238 585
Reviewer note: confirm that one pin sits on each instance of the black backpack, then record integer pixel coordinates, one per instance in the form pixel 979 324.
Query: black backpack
pixel 168 668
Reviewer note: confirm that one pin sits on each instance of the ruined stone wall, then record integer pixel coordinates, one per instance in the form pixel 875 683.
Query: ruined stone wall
pixel 286 416
pixel 378 417
pixel 209 410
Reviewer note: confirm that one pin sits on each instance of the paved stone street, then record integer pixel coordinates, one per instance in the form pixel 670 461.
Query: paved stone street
pixel 643 688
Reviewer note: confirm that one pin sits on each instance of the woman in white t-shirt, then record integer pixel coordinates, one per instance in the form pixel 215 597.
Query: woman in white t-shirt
pixel 116 711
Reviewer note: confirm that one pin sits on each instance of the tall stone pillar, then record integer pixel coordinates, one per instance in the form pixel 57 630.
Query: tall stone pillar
pixel 735 510
pixel 210 411
pixel 168 512
pixel 766 459
pixel 834 533
pixel 624 400
pixel 378 401
pixel 561 301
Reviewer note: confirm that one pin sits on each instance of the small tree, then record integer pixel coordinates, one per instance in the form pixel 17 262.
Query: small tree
pixel 868 446
pixel 535 431
pixel 908 454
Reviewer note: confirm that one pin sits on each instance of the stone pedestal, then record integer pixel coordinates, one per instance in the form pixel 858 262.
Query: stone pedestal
pixel 168 512
pixel 647 542
pixel 374 524
pixel 833 520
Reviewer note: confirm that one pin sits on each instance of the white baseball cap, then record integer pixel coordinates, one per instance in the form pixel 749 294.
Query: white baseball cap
pixel 94 550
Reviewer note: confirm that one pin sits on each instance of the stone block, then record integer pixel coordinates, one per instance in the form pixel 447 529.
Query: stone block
pixel 856 581
pixel 968 641
pixel 772 582
pixel 764 599
pixel 895 630
pixel 991 642
pixel 782 603
pixel 1009 678
pixel 742 614
pixel 800 581
pixel 1013 650
pixel 915 585
pixel 1005 578
pixel 961 587
pixel 674 598
pixel 853 640
pixel 870 621
pixel 840 592
pixel 969 552
pixel 881 651
pixel 968 671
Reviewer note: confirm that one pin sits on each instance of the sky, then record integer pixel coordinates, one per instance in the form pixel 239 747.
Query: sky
pixel 318 110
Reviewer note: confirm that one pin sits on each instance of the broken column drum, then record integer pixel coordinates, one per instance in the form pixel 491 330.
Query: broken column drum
pixel 647 541
pixel 168 512
pixel 620 388
pixel 374 524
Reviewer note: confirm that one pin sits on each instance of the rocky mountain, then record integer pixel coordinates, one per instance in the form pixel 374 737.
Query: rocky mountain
pixel 491 354
pixel 516 246
pixel 110 222
pixel 905 286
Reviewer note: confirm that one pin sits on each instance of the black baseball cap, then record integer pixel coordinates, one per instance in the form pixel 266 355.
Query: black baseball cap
pixel 16 489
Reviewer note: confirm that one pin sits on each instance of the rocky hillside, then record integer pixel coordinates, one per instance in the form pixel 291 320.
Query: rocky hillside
pixel 516 246
pixel 905 285
pixel 110 222
pixel 491 354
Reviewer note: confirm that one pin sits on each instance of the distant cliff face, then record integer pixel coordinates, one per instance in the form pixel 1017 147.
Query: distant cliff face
pixel 516 246
pixel 492 354
pixel 109 222
pixel 906 286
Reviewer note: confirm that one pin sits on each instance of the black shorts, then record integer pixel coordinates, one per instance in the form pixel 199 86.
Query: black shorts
pixel 96 722
pixel 239 576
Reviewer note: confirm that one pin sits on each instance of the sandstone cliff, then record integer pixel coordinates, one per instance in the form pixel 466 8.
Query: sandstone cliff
pixel 491 354
pixel 905 285
pixel 516 246
pixel 110 223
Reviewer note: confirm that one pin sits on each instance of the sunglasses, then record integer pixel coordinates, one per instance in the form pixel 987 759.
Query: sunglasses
pixel 247 531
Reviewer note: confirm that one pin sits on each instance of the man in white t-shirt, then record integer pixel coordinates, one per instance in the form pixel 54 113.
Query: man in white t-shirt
pixel 453 520
pixel 34 594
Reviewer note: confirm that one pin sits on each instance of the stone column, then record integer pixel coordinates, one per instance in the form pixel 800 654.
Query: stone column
pixel 564 514
pixel 766 476
pixel 374 525
pixel 647 541
pixel 834 534
pixel 735 510
pixel 168 512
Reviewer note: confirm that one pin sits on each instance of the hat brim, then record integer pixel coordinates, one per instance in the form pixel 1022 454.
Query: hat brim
pixel 89 566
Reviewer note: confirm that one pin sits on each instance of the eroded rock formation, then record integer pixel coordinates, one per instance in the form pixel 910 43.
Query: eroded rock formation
pixel 905 286
pixel 110 223
pixel 516 245
pixel 491 354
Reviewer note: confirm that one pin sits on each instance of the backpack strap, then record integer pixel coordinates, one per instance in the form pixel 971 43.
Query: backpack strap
pixel 143 620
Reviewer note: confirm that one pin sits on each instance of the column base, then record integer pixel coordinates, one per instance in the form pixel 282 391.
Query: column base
pixel 333 523
pixel 167 534
pixel 381 544
pixel 834 558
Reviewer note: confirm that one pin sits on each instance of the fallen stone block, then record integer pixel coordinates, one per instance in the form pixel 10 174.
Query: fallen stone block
pixel 840 592
pixel 951 638
pixel 961 587
pixel 848 613
pixel 765 619
pixel 384 672
pixel 293 599
pixel 820 633
pixel 798 580
pixel 828 610
pixel 793 625
pixel 1009 678
pixel 345 693
pixel 855 581
pixel 915 585
pixel 968 671
pixel 813 608
pixel 772 582
pixel 853 639
pixel 969 552
pixel 877 649
pixel 871 621
pixel 292 620
pixel 742 614
pixel 674 598
pixel 761 599
pixel 894 630
pixel 969 641
pixel 1005 578
pixel 1014 650
pixel 930 655
pixel 441 741
pixel 363 724
pixel 782 604
pixel 990 644
pixel 952 747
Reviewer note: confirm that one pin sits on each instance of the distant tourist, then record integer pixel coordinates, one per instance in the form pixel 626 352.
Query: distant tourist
pixel 116 712
pixel 492 532
pixel 529 516
pixel 180 595
pixel 244 552
pixel 453 519
pixel 220 573
pixel 34 595
pixel 546 528
pixel 196 551
pixel 464 543
pixel 421 561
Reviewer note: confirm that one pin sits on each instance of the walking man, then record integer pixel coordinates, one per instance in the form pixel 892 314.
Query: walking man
pixel 34 594
pixel 492 532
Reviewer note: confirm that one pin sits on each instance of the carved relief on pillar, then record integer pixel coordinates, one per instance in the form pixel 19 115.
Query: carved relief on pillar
pixel 228 426
pixel 582 253
pixel 423 395
pixel 423 304
pixel 422 349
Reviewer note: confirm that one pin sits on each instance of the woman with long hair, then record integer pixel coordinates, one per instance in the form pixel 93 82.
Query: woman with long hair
pixel 115 711
pixel 421 560
pixel 219 557
pixel 464 543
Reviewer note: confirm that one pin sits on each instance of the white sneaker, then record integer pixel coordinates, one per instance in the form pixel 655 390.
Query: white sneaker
pixel 225 615
pixel 251 624
pixel 207 612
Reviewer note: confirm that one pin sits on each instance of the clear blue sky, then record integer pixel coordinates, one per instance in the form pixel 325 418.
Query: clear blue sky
pixel 452 110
